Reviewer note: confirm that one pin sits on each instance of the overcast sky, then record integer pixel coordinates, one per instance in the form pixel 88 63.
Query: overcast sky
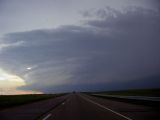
pixel 66 45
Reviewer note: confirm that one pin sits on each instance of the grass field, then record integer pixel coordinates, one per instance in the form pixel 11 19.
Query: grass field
pixel 134 92
pixel 14 100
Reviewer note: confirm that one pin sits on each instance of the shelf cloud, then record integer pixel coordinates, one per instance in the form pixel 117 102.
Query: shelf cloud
pixel 115 50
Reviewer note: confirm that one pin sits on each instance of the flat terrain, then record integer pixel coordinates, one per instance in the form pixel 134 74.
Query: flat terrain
pixel 78 106
pixel 133 92
pixel 15 100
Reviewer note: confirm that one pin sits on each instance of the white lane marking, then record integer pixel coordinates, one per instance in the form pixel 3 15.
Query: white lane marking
pixel 47 117
pixel 105 108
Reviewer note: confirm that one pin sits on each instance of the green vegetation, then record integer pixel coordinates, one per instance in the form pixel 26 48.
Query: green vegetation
pixel 14 100
pixel 134 92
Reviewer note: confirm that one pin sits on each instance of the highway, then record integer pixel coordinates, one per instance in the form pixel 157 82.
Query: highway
pixel 153 99
pixel 78 106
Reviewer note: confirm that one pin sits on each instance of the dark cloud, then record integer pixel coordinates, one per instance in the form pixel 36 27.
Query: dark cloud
pixel 117 50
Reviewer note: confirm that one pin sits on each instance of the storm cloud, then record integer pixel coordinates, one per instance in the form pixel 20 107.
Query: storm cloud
pixel 115 50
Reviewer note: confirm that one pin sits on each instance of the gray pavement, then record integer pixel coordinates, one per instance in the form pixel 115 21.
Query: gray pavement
pixel 78 106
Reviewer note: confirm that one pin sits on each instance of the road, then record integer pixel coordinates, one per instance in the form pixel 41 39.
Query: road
pixel 153 99
pixel 78 106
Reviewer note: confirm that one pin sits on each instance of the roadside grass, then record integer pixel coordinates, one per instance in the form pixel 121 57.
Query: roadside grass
pixel 133 92
pixel 15 100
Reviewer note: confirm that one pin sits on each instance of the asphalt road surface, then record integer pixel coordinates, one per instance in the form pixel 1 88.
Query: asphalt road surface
pixel 78 106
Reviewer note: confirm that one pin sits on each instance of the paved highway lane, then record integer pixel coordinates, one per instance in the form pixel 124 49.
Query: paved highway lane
pixel 31 111
pixel 79 106
pixel 84 107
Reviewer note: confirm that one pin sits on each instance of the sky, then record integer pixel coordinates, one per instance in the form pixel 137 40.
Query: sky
pixel 49 46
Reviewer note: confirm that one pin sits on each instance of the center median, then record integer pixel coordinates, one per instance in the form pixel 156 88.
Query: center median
pixel 131 99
